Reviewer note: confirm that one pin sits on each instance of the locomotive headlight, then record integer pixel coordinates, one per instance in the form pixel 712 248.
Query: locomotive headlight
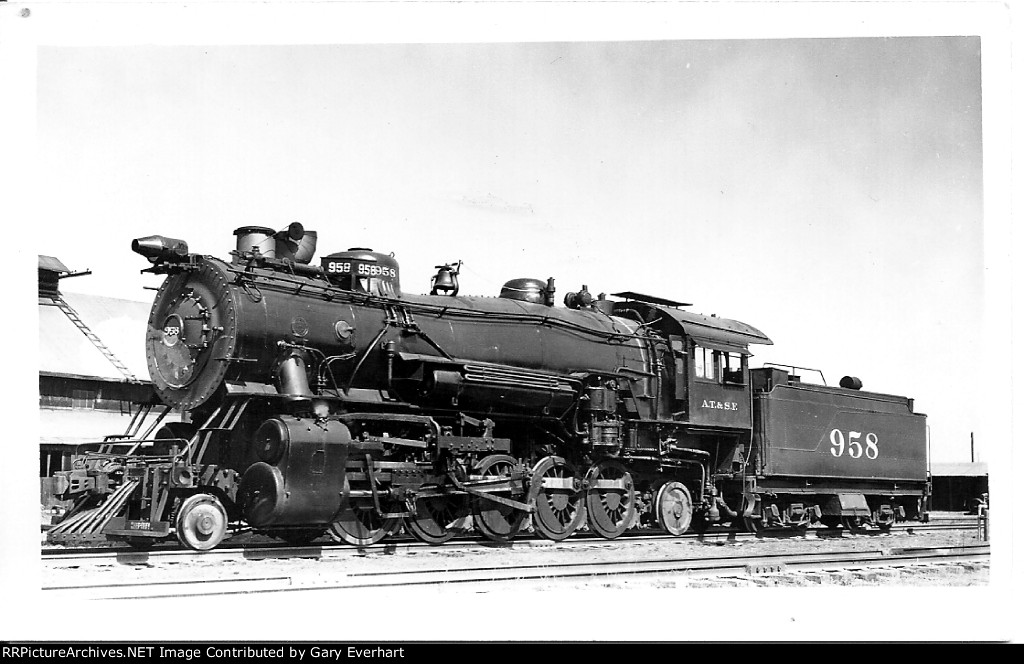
pixel 159 248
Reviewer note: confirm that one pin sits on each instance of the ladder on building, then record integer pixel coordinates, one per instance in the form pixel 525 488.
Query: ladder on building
pixel 77 320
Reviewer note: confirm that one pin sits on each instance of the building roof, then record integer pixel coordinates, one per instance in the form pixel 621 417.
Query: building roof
pixel 51 264
pixel 119 324
pixel 960 469
pixel 66 426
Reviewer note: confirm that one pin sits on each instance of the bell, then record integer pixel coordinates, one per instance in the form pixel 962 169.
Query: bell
pixel 445 282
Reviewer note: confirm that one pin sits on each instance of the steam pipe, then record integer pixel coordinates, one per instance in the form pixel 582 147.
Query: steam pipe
pixel 292 376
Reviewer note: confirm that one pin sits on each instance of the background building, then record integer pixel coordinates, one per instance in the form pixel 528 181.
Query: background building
pixel 92 366
pixel 957 486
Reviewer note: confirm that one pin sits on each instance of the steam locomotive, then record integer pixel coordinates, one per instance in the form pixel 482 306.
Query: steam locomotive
pixel 322 399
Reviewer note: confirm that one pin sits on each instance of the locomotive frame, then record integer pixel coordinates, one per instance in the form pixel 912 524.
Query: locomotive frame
pixel 323 400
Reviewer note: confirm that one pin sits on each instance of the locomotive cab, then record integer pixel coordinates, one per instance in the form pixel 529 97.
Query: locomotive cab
pixel 708 358
pixel 719 391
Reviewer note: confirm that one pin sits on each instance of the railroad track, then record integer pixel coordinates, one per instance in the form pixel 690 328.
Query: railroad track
pixel 274 549
pixel 484 576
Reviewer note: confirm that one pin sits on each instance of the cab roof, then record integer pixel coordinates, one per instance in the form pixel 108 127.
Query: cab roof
pixel 711 330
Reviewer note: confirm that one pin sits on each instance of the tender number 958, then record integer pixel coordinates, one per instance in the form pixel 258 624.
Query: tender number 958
pixel 852 445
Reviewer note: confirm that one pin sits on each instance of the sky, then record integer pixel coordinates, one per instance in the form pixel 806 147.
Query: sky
pixel 826 191
pixel 834 174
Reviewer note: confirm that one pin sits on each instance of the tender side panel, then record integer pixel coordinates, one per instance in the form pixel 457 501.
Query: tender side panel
pixel 823 432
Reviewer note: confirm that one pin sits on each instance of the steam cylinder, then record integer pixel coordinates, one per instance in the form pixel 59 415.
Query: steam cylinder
pixel 301 475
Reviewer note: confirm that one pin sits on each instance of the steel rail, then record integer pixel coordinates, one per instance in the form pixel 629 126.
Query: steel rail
pixel 118 553
pixel 484 574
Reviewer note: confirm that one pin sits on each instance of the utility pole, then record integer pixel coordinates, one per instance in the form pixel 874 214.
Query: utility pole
pixel 972 447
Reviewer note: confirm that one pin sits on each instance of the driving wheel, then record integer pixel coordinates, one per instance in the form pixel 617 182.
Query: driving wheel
pixel 359 524
pixel 436 517
pixel 611 505
pixel 495 521
pixel 559 498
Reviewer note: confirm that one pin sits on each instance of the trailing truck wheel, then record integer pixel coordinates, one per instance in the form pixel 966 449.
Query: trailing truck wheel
pixel 202 522
pixel 673 508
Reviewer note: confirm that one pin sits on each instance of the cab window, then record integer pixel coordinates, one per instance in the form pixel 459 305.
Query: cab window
pixel 732 368
pixel 718 365
pixel 705 362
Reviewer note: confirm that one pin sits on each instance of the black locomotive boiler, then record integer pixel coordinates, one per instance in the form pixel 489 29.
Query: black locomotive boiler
pixel 323 399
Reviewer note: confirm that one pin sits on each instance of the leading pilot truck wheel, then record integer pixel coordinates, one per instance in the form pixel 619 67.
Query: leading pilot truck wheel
pixel 202 522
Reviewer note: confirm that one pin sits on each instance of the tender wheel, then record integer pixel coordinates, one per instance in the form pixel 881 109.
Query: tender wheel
pixel 360 525
pixel 611 505
pixel 435 518
pixel 673 508
pixel 753 524
pixel 832 522
pixel 559 498
pixel 202 522
pixel 854 524
pixel 883 521
pixel 495 521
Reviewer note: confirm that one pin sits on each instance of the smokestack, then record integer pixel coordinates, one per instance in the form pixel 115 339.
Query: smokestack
pixel 248 238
